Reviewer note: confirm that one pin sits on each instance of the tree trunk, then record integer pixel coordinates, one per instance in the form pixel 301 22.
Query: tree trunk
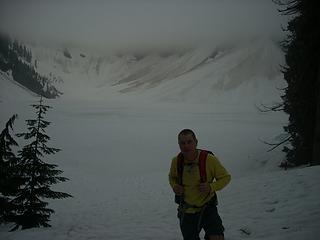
pixel 316 142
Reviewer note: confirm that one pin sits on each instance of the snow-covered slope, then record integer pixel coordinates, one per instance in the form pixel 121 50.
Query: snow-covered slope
pixel 219 71
pixel 11 89
pixel 276 205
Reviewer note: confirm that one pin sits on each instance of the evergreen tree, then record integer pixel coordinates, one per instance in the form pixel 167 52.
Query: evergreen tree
pixel 32 211
pixel 9 180
pixel 301 98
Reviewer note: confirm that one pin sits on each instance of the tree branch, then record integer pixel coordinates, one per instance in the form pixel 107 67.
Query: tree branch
pixel 275 145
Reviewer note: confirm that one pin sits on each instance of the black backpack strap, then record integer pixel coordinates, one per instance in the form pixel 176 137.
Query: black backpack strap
pixel 180 165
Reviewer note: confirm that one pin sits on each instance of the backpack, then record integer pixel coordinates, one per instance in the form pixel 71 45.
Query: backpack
pixel 202 170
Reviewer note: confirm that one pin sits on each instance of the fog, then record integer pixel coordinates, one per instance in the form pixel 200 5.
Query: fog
pixel 139 23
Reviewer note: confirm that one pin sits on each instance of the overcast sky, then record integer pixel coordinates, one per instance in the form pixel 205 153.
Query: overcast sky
pixel 118 23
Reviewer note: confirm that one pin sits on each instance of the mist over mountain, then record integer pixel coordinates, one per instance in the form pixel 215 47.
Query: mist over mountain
pixel 100 48
pixel 140 23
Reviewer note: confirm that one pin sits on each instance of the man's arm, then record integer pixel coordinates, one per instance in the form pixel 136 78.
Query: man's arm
pixel 221 175
pixel 173 178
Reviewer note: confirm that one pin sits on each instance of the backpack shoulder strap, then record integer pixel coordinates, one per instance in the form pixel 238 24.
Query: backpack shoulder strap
pixel 180 165
pixel 202 165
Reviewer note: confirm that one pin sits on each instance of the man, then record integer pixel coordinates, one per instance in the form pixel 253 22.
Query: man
pixel 197 200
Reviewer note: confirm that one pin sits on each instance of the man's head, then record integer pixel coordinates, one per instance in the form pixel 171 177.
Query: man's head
pixel 187 141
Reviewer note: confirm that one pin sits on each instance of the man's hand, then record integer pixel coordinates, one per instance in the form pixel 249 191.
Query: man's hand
pixel 178 189
pixel 205 187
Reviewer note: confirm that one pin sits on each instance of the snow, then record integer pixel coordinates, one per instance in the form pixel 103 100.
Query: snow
pixel 117 145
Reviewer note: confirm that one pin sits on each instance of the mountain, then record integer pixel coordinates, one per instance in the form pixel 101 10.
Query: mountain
pixel 225 71
pixel 16 60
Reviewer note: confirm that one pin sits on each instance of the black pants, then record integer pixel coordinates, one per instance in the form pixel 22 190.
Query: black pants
pixel 192 223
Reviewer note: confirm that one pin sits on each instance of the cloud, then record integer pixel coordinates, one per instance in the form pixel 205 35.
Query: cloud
pixel 118 24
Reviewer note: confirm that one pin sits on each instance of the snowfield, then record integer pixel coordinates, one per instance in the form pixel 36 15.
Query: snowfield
pixel 117 128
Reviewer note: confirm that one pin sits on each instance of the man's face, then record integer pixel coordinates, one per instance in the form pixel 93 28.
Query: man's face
pixel 187 144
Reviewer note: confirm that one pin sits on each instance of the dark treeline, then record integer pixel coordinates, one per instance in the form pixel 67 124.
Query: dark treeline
pixel 17 58
pixel 302 74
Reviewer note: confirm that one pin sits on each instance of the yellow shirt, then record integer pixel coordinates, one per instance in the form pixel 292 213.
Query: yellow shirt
pixel 217 177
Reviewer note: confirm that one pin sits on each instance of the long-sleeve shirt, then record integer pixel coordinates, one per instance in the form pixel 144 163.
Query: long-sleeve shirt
pixel 217 176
